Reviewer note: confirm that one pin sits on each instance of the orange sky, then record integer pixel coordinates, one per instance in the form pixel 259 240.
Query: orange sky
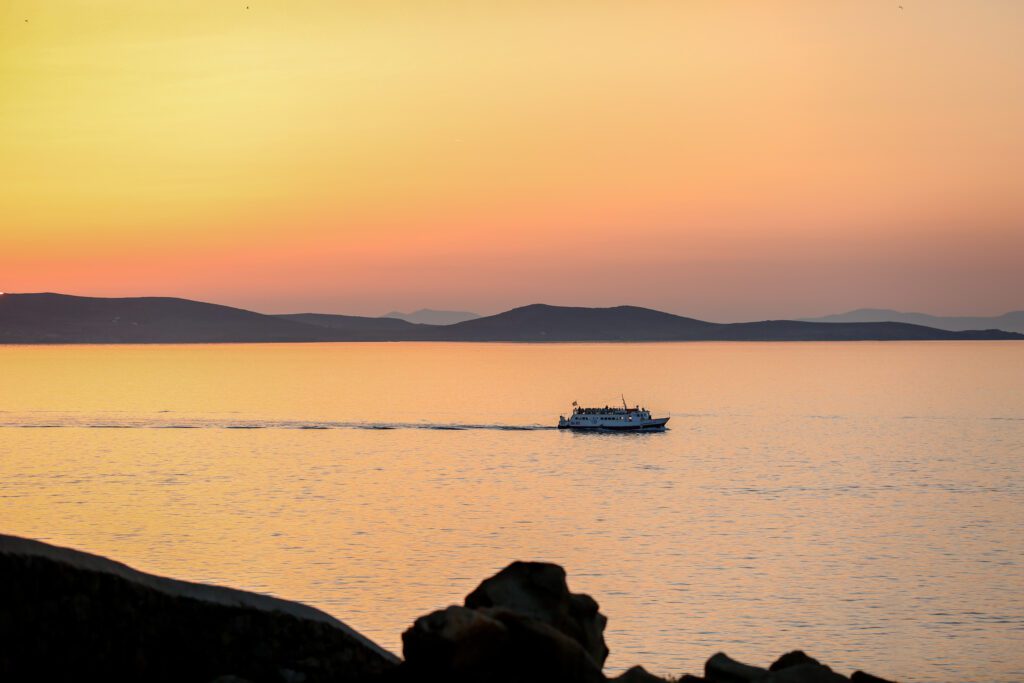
pixel 726 160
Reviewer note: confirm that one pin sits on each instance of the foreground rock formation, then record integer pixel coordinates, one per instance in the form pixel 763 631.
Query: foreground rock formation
pixel 792 667
pixel 521 625
pixel 67 615
pixel 71 616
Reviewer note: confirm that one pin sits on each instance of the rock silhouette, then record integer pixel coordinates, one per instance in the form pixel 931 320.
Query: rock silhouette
pixel 539 590
pixel 521 624
pixel 492 644
pixel 70 616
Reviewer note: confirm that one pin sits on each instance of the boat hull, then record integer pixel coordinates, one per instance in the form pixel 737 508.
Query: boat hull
pixel 657 425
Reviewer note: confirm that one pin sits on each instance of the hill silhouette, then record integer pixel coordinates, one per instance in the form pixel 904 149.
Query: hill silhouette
pixel 60 318
pixel 428 316
pixel 1010 322
pixel 541 322
pixel 350 323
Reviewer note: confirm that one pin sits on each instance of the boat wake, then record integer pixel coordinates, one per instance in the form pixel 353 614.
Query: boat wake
pixel 75 422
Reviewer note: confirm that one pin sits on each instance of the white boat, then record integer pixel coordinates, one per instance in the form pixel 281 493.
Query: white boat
pixel 624 419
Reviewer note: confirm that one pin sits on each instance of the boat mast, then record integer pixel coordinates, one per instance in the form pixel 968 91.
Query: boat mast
pixel 624 402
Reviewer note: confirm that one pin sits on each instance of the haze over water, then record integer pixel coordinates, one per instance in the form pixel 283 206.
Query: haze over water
pixel 861 501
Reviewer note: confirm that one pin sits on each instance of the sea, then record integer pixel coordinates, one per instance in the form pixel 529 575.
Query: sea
pixel 861 501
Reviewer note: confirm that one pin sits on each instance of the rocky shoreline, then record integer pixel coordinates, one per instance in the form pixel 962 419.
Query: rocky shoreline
pixel 67 615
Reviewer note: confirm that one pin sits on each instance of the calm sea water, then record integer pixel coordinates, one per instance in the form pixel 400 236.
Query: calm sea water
pixel 862 501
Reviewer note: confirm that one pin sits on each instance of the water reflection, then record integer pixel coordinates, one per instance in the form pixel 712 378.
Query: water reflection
pixel 860 501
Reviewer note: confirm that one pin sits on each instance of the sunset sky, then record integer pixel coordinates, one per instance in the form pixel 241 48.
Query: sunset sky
pixel 725 160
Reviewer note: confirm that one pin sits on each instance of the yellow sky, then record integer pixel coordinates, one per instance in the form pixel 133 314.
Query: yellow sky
pixel 721 159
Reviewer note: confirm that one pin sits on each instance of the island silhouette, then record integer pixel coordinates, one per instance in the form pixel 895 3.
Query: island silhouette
pixel 1012 321
pixel 430 316
pixel 48 318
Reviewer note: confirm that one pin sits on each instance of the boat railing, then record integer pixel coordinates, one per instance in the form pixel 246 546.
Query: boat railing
pixel 608 411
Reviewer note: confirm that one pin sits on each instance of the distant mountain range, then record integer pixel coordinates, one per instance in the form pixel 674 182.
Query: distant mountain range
pixel 64 319
pixel 351 323
pixel 428 316
pixel 59 318
pixel 1010 322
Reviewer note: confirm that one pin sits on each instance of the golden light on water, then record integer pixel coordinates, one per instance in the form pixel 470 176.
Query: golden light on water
pixel 858 500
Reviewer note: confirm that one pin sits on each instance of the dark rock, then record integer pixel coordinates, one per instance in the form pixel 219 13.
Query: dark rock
pixel 638 674
pixel 862 677
pixel 809 672
pixel 720 668
pixel 67 615
pixel 291 676
pixel 539 590
pixel 71 616
pixel 492 644
pixel 454 639
pixel 792 659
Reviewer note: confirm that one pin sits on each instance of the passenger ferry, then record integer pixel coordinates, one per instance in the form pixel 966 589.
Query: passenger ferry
pixel 624 419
